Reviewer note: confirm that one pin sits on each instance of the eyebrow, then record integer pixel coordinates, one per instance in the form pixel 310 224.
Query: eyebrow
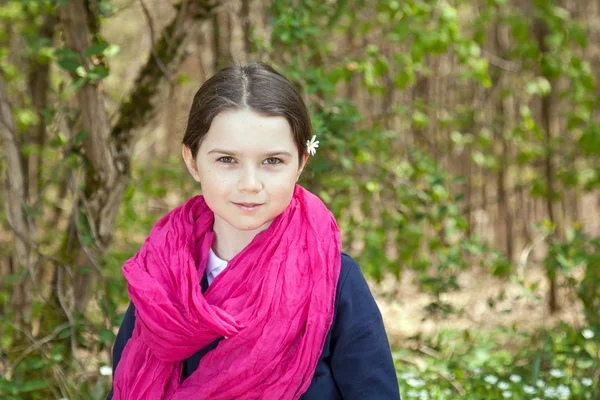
pixel 269 154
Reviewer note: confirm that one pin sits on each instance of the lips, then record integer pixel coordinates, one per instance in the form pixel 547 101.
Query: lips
pixel 248 206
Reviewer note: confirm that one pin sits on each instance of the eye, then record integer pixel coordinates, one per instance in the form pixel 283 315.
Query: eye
pixel 226 160
pixel 272 161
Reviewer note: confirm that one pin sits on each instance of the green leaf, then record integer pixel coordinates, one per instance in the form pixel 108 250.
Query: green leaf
pixel 479 158
pixel 381 66
pixel 86 240
pixel 97 48
pixel 81 136
pixel 591 348
pixel 404 78
pixel 97 73
pixel 86 269
pixel 107 336
pixel 183 78
pixel 372 50
pixel 448 13
pixel 69 64
pixel 536 366
pixel 420 119
pixel 36 363
pixel 25 118
pixel 67 59
pixel 77 83
pixel 81 71
pixel 589 141
pixel 540 86
pixel 112 50
pixel 33 385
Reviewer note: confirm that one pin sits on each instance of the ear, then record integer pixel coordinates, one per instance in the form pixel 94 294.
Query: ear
pixel 190 162
pixel 303 162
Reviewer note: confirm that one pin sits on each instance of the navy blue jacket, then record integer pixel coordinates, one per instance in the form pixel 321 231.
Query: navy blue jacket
pixel 356 362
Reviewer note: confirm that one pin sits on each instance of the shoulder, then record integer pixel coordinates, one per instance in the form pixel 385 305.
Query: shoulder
pixel 360 357
pixel 356 311
pixel 349 271
pixel 352 284
pixel 348 262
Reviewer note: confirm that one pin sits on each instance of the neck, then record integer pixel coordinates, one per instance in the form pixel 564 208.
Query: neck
pixel 230 241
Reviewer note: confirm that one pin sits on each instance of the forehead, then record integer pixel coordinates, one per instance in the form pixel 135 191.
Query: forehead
pixel 248 130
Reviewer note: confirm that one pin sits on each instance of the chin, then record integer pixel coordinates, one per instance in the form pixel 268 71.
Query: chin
pixel 250 225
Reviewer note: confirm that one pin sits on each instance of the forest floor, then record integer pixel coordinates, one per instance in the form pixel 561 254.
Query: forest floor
pixel 403 306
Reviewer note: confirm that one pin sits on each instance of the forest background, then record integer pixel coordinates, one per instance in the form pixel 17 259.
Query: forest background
pixel 459 145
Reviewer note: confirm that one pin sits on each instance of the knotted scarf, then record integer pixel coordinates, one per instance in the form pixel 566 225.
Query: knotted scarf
pixel 273 304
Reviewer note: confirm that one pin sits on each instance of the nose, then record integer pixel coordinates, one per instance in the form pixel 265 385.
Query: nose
pixel 249 181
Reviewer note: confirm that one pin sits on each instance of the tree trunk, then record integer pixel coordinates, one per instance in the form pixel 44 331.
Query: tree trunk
pixel 39 85
pixel 221 33
pixel 504 214
pixel 245 18
pixel 105 181
pixel 108 150
pixel 420 94
pixel 548 126
pixel 15 198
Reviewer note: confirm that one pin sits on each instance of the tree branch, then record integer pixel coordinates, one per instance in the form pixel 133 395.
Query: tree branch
pixel 15 198
pixel 168 51
pixel 15 174
pixel 160 64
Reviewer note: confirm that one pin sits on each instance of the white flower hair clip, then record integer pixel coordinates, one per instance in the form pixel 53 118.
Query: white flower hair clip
pixel 312 145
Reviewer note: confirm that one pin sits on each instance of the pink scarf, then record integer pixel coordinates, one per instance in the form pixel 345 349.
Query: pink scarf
pixel 274 304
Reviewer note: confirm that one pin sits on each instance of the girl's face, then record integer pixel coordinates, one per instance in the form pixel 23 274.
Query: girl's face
pixel 247 165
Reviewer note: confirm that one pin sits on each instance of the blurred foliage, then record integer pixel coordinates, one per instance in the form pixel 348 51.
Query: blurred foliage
pixel 405 201
pixel 396 204
pixel 565 258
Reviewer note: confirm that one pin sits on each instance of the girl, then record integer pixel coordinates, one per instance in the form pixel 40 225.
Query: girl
pixel 243 292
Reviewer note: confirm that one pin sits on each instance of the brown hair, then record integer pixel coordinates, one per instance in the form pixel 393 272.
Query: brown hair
pixel 257 87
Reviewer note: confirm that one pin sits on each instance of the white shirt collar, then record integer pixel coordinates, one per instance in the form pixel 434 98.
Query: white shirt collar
pixel 214 263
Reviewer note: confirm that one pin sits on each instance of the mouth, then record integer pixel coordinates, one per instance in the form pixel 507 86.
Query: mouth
pixel 248 206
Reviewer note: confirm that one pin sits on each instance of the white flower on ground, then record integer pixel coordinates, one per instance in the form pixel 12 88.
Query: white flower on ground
pixel 506 394
pixel 540 383
pixel 407 375
pixel 312 145
pixel 415 382
pixel 447 391
pixel 491 379
pixel 550 392
pixel 503 386
pixel 587 333
pixel 529 389
pixel 412 393
pixel 587 382
pixel 423 395
pixel 563 392
pixel 105 370
pixel 515 378
pixel 557 373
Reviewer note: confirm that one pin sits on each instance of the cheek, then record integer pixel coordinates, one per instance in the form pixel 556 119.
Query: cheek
pixel 212 176
pixel 214 187
pixel 287 180
pixel 281 194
